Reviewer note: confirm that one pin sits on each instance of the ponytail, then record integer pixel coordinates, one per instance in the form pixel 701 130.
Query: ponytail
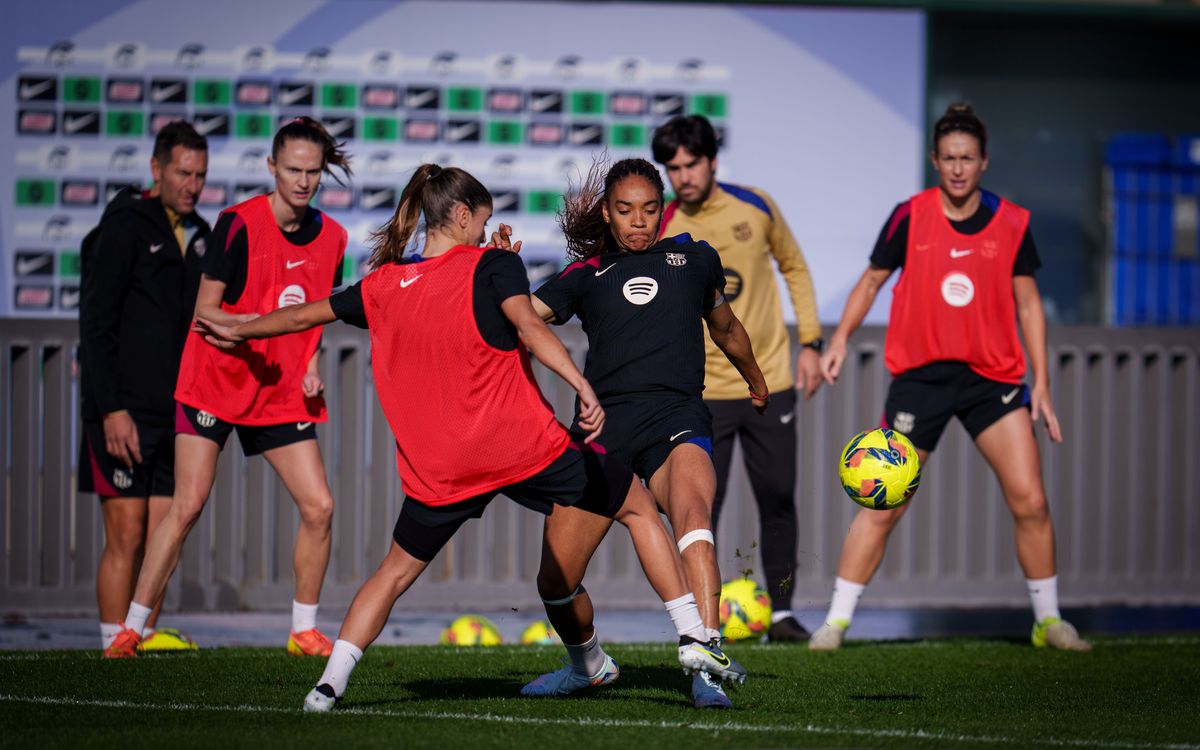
pixel 307 129
pixel 432 191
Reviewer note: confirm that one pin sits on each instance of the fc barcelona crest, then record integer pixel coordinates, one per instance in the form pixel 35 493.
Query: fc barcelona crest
pixel 741 231
pixel 676 259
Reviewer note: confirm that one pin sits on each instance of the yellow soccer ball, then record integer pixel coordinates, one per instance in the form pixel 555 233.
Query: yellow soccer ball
pixel 745 609
pixel 540 633
pixel 471 630
pixel 879 469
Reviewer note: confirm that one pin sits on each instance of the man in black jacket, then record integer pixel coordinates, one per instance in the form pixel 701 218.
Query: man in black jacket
pixel 141 270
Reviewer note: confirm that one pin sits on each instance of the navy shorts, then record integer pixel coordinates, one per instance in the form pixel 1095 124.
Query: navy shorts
pixel 109 477
pixel 255 439
pixel 921 402
pixel 583 477
pixel 641 431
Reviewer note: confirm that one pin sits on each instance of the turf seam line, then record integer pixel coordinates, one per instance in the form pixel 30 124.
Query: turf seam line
pixel 617 723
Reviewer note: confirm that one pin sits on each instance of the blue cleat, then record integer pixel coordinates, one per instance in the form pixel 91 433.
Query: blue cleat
pixel 708 693
pixel 566 681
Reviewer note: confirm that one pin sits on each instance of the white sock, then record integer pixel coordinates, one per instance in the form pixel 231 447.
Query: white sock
pixel 1043 592
pixel 137 616
pixel 341 663
pixel 711 633
pixel 108 633
pixel 304 617
pixel 845 600
pixel 780 614
pixel 587 658
pixel 686 617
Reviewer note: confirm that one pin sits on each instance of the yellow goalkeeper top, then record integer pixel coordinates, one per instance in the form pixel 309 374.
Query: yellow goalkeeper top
pixel 747 229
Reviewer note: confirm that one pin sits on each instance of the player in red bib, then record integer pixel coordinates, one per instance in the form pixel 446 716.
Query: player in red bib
pixel 267 252
pixel 449 331
pixel 952 348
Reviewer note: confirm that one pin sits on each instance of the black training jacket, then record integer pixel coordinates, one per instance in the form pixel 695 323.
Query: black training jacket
pixel 138 297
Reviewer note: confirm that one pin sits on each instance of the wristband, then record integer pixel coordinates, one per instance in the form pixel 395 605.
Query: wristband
pixel 758 396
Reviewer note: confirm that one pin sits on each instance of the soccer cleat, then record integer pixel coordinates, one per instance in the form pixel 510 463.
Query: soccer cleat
pixel 167 639
pixel 1054 632
pixel 829 636
pixel 125 645
pixel 311 642
pixel 708 693
pixel 566 681
pixel 698 656
pixel 787 630
pixel 320 700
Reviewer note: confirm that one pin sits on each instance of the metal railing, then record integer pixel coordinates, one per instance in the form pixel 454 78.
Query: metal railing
pixel 1121 488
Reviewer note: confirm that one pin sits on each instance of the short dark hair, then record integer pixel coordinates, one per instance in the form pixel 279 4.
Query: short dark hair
pixel 177 133
pixel 694 132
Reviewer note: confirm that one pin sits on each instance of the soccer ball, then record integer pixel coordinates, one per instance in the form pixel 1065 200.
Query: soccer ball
pixel 879 469
pixel 471 630
pixel 540 633
pixel 745 609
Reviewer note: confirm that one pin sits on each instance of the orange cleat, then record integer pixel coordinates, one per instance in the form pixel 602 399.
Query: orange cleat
pixel 125 645
pixel 310 642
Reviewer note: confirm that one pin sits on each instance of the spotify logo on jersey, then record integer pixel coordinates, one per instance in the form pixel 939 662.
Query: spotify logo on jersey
pixel 958 290
pixel 293 294
pixel 640 289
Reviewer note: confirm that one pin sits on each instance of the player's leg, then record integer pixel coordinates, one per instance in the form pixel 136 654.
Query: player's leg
pixel 124 540
pixel 420 533
pixel 769 453
pixel 302 471
pixel 195 469
pixel 1011 450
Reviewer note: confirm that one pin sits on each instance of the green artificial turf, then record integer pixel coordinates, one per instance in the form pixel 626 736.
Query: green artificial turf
pixel 1129 693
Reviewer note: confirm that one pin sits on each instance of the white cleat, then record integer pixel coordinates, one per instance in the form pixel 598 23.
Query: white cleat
pixel 828 637
pixel 1054 632
pixel 698 656
pixel 320 700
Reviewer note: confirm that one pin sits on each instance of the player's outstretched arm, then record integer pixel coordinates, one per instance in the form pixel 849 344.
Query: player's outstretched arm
pixel 544 345
pixel 288 319
pixel 731 338
pixel 858 304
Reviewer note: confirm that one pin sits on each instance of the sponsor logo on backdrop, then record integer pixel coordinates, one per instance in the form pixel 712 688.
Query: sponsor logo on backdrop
pixel 213 194
pixel 125 90
pixel 33 297
pixel 36 122
pixel 80 193
pixel 190 56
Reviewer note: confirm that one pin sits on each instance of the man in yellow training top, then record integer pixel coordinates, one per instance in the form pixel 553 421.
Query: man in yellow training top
pixel 748 231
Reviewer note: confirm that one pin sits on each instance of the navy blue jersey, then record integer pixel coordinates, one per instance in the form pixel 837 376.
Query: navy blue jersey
pixel 643 314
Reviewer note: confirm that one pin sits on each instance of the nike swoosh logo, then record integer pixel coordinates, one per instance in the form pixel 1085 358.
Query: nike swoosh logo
pixel 543 103
pixel 338 127
pixel 163 93
pixel 956 253
pixel 583 135
pixel 206 126
pixel 786 418
pixel 75 124
pixel 28 91
pixel 460 132
pixel 404 283
pixel 375 200
pixel 294 95
pixel 70 300
pixel 601 273
pixel 670 104
pixel 301 426
pixel 722 660
pixel 1010 396
pixel 26 266
pixel 295 263
pixel 678 434
pixel 420 99
pixel 155 248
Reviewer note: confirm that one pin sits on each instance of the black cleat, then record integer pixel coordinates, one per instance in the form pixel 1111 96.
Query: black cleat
pixel 787 630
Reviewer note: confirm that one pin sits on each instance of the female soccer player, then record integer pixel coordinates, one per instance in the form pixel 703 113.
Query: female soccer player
pixel 268 252
pixel 642 303
pixel 952 347
pixel 449 331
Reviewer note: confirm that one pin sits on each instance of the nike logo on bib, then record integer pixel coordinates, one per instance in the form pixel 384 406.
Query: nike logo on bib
pixel 404 283
pixel 1010 396
pixel 956 253
pixel 295 263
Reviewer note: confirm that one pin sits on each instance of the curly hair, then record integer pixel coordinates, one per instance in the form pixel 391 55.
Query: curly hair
pixel 581 217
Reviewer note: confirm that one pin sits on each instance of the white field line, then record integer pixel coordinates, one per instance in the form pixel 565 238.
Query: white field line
pixel 915 734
